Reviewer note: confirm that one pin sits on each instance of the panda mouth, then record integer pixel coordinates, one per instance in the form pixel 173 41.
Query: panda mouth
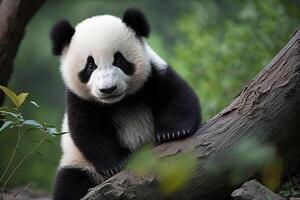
pixel 112 96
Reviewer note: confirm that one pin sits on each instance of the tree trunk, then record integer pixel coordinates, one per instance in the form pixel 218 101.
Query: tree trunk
pixel 14 16
pixel 268 108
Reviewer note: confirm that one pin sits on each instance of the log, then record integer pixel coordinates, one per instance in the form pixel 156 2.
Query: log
pixel 14 16
pixel 25 193
pixel 268 108
pixel 253 190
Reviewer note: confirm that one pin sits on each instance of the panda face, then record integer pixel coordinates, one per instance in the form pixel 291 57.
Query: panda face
pixel 105 60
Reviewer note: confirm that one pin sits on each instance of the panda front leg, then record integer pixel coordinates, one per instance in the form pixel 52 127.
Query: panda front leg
pixel 72 183
pixel 176 111
pixel 75 175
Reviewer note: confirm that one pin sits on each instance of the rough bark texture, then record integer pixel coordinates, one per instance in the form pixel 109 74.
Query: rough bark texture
pixel 14 16
pixel 253 190
pixel 268 108
pixel 25 193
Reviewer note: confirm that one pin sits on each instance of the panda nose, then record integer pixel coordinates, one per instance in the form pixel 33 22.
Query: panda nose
pixel 108 90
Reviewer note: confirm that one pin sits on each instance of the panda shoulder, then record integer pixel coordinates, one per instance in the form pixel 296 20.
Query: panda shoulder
pixel 157 63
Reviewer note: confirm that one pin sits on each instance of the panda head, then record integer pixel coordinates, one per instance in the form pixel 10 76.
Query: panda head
pixel 104 57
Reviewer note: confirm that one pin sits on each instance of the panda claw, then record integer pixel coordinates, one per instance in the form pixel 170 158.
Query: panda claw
pixel 120 166
pixel 106 172
pixel 158 138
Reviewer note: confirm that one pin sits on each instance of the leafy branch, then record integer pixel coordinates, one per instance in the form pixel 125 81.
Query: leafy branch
pixel 12 118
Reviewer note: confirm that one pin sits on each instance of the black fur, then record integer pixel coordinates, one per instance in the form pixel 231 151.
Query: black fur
pixel 71 184
pixel 90 66
pixel 174 105
pixel 61 35
pixel 126 66
pixel 176 109
pixel 93 132
pixel 136 20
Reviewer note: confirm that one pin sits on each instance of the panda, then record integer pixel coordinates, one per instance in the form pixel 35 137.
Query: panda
pixel 120 95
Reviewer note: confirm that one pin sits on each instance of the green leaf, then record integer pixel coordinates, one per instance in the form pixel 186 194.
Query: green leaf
pixel 33 123
pixel 5 125
pixel 21 98
pixel 51 130
pixel 11 95
pixel 5 108
pixel 180 166
pixel 58 133
pixel 12 114
pixel 35 104
pixel 143 161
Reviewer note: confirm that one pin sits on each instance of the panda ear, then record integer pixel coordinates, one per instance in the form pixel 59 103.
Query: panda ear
pixel 61 35
pixel 136 20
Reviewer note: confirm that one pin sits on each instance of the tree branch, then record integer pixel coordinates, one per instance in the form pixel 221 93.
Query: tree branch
pixel 14 16
pixel 268 108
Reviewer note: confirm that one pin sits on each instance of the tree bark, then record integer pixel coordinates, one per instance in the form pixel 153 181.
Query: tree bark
pixel 268 108
pixel 14 16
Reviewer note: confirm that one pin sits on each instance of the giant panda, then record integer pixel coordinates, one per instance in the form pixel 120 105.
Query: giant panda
pixel 119 95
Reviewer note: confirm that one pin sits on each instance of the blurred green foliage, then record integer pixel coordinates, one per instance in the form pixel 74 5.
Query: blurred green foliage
pixel 182 166
pixel 217 46
pixel 223 44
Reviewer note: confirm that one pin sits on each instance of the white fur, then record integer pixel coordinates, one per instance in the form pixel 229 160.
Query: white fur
pixel 101 37
pixel 154 58
pixel 134 125
pixel 71 154
pixel 72 157
pixel 106 78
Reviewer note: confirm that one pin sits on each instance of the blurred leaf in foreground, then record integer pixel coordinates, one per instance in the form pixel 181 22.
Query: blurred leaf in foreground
pixel 173 172
pixel 250 156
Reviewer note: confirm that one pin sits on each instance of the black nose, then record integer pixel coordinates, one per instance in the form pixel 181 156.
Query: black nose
pixel 108 90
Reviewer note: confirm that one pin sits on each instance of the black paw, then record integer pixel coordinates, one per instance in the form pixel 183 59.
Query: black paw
pixel 170 136
pixel 115 169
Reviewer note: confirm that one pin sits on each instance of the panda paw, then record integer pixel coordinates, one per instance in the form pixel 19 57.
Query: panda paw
pixel 114 170
pixel 170 136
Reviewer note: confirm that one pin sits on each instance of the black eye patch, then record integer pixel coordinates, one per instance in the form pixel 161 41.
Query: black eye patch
pixel 90 66
pixel 120 62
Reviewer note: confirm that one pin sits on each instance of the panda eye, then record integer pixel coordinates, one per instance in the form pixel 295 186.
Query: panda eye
pixel 85 74
pixel 91 66
pixel 123 64
pixel 118 60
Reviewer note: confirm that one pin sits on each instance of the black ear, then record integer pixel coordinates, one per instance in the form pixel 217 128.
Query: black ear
pixel 60 35
pixel 136 20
